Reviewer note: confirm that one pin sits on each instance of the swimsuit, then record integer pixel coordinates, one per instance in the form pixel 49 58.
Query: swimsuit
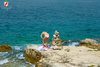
pixel 47 35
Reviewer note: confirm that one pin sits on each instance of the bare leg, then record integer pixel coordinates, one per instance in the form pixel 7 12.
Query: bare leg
pixel 45 40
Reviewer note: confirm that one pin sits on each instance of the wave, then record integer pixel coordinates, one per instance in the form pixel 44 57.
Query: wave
pixel 3 53
pixel 17 47
pixel 70 43
pixel 3 61
pixel 20 56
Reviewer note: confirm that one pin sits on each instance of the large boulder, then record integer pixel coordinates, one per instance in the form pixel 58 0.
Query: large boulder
pixel 5 48
pixel 88 42
pixel 31 55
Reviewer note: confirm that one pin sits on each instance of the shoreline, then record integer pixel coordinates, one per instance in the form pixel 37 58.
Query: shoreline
pixel 68 55
pixel 38 43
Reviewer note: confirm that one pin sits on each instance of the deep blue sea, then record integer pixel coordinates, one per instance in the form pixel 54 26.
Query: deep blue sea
pixel 24 20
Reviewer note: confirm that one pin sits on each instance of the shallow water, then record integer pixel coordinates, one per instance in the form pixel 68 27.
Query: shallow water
pixel 23 21
pixel 14 58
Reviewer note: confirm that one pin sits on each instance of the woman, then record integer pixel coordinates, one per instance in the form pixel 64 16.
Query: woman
pixel 45 37
pixel 56 38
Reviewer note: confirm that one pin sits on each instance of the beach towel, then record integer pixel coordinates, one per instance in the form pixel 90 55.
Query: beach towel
pixel 43 48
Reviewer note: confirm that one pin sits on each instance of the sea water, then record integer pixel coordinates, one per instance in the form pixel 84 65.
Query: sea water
pixel 14 59
pixel 23 20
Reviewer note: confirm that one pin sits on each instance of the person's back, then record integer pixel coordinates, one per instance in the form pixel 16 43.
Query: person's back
pixel 45 38
pixel 45 34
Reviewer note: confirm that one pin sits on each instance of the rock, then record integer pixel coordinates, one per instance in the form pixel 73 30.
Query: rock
pixel 69 56
pixel 32 55
pixel 5 48
pixel 68 50
pixel 88 42
pixel 57 47
pixel 58 65
pixel 41 64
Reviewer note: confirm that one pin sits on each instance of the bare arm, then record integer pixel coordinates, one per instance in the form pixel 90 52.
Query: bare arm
pixel 41 35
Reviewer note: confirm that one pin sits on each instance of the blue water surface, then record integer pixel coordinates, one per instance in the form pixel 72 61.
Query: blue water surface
pixel 24 20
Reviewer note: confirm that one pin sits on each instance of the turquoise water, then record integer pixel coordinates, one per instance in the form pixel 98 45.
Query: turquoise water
pixel 24 20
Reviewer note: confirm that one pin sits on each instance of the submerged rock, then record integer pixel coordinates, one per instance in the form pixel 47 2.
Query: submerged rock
pixel 5 48
pixel 31 55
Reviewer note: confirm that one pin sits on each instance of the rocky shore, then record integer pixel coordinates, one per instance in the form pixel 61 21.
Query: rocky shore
pixel 86 54
pixel 69 56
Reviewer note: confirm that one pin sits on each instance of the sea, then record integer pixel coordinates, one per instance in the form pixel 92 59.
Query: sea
pixel 22 22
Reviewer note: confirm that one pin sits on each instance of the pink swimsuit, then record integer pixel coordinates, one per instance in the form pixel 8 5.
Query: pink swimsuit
pixel 47 35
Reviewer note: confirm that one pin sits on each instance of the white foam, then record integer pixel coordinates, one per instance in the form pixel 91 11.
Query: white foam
pixel 20 56
pixel 3 61
pixel 74 44
pixel 32 65
pixel 17 47
pixel 3 53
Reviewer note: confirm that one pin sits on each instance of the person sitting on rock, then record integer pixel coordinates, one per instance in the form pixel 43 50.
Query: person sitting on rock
pixel 56 39
pixel 45 37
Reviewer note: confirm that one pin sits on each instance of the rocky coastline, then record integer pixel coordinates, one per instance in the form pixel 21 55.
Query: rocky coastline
pixel 86 54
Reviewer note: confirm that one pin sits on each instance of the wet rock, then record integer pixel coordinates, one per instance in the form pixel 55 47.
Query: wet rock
pixel 5 48
pixel 32 55
pixel 88 42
